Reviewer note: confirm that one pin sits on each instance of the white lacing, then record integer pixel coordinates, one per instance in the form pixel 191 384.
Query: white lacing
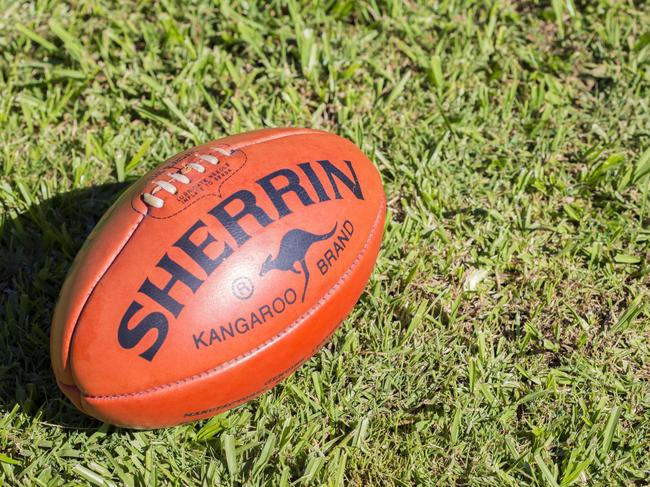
pixel 180 177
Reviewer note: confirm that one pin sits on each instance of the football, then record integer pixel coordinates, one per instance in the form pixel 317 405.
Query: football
pixel 216 275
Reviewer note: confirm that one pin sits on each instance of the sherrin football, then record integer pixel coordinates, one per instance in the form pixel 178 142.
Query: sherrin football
pixel 217 275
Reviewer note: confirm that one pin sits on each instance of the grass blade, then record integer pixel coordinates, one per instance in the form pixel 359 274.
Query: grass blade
pixel 630 314
pixel 231 453
pixel 642 168
pixel 610 429
pixel 549 478
pixel 30 34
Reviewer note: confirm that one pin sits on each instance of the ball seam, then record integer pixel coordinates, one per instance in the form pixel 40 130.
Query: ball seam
pixel 234 148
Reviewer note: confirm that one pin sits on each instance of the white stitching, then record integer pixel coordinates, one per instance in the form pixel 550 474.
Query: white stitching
pixel 152 200
pixel 179 177
pixel 167 186
pixel 209 159
pixel 274 338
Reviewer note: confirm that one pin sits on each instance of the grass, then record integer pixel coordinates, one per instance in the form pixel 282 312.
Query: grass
pixel 504 336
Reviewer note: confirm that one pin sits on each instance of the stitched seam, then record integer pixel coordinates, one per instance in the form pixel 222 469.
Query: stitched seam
pixel 98 278
pixel 211 194
pixel 297 322
pixel 141 217
pixel 282 136
pixel 235 148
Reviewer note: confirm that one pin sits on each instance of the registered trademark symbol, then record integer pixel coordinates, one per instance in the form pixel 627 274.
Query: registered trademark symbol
pixel 242 288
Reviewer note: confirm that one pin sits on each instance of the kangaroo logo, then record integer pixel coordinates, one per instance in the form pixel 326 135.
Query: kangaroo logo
pixel 293 249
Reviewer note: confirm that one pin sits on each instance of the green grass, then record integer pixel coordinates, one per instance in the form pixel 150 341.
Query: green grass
pixel 504 336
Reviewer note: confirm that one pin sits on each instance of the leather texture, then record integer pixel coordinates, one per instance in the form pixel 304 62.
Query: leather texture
pixel 178 313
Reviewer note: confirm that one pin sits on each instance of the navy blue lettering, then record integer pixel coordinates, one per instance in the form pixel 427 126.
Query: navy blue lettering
pixel 227 331
pixel 332 171
pixel 276 194
pixel 254 320
pixel 199 340
pixel 214 336
pixel 241 325
pixel 315 182
pixel 130 337
pixel 265 311
pixel 161 296
pixel 338 249
pixel 197 252
pixel 231 221
pixel 348 227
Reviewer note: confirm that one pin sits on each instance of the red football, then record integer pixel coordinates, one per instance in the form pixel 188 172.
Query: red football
pixel 216 275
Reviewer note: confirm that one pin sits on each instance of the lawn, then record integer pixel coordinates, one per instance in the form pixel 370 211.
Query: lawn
pixel 504 337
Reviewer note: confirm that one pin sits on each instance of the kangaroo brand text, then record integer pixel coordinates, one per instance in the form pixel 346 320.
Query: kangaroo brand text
pixel 238 214
pixel 243 324
pixel 338 245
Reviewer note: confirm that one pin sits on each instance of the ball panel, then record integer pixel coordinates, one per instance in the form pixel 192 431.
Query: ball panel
pixel 90 264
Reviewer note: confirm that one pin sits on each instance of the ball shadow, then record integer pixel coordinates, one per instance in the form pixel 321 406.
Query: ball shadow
pixel 36 249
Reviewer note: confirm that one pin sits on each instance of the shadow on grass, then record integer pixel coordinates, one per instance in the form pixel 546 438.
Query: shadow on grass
pixel 36 249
